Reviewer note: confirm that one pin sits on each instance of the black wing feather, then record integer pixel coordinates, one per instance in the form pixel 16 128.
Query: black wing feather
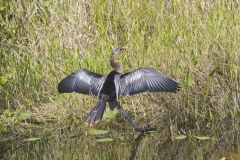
pixel 145 79
pixel 82 81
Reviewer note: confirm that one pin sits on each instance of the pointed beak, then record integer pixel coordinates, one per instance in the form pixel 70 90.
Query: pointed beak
pixel 118 50
pixel 123 48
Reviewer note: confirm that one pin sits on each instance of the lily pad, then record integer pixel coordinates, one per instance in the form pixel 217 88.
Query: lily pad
pixel 104 140
pixel 32 139
pixel 98 132
pixel 180 137
pixel 203 138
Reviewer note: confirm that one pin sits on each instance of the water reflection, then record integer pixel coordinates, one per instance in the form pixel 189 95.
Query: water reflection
pixel 78 144
pixel 135 145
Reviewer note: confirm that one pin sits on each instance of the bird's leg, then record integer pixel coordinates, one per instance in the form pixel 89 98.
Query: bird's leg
pixel 129 119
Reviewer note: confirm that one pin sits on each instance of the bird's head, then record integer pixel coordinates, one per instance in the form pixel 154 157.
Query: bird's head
pixel 117 51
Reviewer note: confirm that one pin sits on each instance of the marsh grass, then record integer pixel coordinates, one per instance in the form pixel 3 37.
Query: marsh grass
pixel 194 42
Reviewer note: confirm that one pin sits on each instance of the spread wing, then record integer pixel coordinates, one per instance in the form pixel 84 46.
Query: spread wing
pixel 82 81
pixel 144 79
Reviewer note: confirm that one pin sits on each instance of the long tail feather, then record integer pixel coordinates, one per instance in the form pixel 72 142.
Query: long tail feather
pixel 97 112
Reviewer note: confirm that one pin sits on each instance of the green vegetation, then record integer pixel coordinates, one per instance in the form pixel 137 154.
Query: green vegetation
pixel 195 42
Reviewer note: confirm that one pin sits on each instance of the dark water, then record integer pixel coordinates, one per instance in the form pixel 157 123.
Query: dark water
pixel 74 143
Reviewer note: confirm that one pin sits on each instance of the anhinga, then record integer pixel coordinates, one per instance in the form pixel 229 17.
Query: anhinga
pixel 108 88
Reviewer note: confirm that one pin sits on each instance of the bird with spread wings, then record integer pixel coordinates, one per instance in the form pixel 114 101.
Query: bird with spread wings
pixel 109 88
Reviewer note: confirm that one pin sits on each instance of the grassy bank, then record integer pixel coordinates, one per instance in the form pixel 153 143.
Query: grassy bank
pixel 196 43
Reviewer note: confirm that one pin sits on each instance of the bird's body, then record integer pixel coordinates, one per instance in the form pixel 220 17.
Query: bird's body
pixel 110 87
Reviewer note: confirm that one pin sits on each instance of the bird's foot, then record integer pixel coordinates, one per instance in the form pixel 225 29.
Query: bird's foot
pixel 145 129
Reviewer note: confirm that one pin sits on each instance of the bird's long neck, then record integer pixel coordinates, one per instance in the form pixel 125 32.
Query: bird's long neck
pixel 116 64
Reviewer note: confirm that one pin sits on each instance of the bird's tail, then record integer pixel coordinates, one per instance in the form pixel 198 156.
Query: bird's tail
pixel 96 113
